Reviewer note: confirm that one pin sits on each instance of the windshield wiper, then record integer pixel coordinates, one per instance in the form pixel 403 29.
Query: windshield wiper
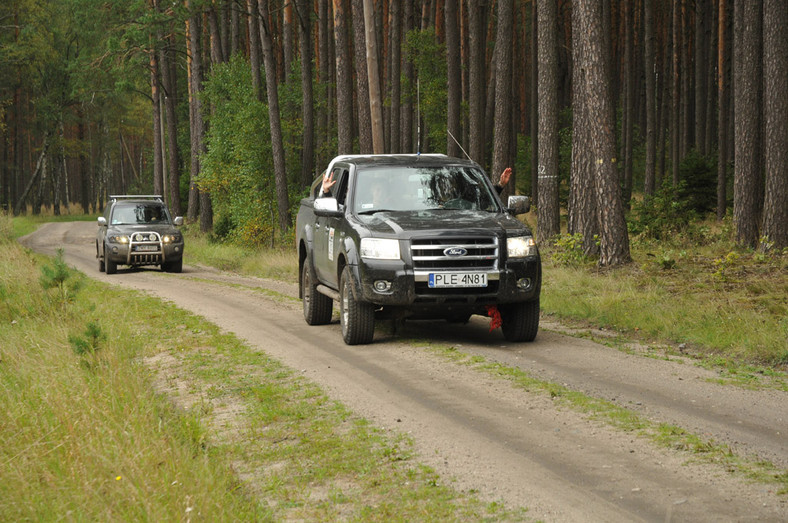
pixel 374 211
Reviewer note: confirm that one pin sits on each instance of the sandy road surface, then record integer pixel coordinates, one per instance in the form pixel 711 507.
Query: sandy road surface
pixel 481 433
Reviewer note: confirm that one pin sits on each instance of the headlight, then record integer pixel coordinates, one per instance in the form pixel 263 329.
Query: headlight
pixel 380 248
pixel 521 246
pixel 171 238
pixel 118 238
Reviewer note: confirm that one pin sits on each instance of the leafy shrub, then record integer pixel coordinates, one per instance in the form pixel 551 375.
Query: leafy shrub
pixel 569 249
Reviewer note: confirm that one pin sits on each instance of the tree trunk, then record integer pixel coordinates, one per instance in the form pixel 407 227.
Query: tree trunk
pixel 362 79
pixel 373 74
pixel 253 23
pixel 476 78
pixel 344 81
pixel 650 76
pixel 324 81
pixel 722 107
pixel 40 166
pixel 454 80
pixel 747 174
pixel 169 82
pixel 548 216
pixel 410 79
pixel 502 134
pixel 614 242
pixel 775 63
pixel 582 200
pixel 534 124
pixel 675 115
pixel 277 145
pixel 395 86
pixel 304 11
pixel 701 61
pixel 287 39
pixel 628 104
pixel 158 157
pixel 197 125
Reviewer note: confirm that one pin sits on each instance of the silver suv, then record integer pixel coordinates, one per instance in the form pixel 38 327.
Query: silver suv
pixel 137 230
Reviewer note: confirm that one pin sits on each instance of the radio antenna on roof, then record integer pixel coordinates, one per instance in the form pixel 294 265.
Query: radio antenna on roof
pixel 468 156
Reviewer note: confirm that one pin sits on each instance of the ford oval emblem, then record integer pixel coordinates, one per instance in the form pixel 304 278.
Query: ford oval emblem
pixel 455 251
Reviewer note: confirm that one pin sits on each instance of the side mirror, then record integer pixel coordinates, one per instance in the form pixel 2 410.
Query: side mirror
pixel 102 221
pixel 178 221
pixel 327 207
pixel 518 204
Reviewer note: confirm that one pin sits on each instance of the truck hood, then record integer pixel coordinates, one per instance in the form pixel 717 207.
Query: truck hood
pixel 405 224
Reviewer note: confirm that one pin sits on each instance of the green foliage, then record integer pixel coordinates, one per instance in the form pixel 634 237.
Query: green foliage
pixel 699 176
pixel 90 340
pixel 568 249
pixel 429 60
pixel 58 276
pixel 238 168
pixel 662 215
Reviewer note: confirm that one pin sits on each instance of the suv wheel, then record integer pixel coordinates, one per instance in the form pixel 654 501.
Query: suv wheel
pixel 520 321
pixel 357 318
pixel 176 266
pixel 317 307
pixel 109 265
pixel 100 259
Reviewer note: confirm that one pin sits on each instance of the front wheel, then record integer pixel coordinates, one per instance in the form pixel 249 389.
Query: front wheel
pixel 110 266
pixel 520 321
pixel 317 307
pixel 176 266
pixel 357 318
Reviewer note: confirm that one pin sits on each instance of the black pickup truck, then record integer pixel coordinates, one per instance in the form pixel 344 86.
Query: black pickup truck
pixel 415 236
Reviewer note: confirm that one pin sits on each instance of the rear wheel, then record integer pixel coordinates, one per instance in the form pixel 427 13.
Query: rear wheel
pixel 520 321
pixel 357 318
pixel 317 307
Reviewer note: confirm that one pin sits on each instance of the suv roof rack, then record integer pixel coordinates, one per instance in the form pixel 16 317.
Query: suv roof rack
pixel 137 197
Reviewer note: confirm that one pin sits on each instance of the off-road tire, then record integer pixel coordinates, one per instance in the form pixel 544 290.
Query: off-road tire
pixel 110 266
pixel 520 320
pixel 100 260
pixel 317 307
pixel 176 266
pixel 357 318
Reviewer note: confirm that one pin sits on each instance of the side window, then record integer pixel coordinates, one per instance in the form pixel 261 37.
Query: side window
pixel 341 175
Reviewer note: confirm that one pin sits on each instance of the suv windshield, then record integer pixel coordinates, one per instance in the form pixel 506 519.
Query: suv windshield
pixel 139 213
pixel 422 188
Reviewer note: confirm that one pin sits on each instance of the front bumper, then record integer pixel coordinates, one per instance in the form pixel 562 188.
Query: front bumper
pixel 144 253
pixel 520 280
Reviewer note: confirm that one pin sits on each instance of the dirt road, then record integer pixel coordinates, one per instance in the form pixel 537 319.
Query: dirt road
pixel 480 432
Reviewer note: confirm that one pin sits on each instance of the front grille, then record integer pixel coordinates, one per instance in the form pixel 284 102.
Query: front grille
pixel 146 259
pixel 481 253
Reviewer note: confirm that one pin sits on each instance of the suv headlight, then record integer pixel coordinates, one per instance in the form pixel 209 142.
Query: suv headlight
pixel 171 238
pixel 380 248
pixel 118 238
pixel 521 246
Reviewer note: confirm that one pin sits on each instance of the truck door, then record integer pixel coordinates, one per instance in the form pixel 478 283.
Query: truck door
pixel 327 233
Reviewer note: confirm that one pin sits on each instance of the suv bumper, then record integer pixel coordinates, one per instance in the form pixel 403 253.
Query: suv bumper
pixel 520 280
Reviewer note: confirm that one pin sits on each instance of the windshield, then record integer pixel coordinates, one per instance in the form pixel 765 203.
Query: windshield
pixel 139 213
pixel 422 188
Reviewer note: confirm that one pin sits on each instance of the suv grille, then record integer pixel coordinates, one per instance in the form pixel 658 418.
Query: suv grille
pixel 481 253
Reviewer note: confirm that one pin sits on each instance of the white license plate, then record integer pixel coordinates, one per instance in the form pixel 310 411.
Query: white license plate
pixel 147 247
pixel 457 279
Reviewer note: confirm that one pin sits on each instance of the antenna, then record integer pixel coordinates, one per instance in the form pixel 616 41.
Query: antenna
pixel 418 116
pixel 468 156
